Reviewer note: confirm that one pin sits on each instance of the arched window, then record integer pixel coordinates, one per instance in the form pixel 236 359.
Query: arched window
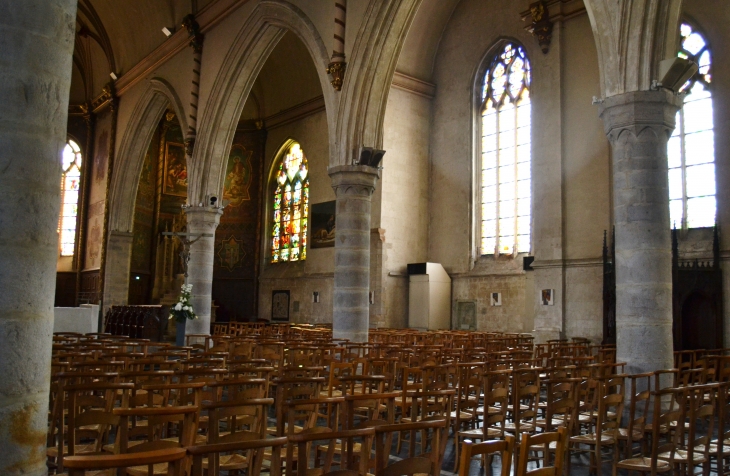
pixel 506 192
pixel 291 207
pixel 70 187
pixel 691 149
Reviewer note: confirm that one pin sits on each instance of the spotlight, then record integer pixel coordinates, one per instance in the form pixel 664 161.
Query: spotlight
pixel 370 157
pixel 167 31
pixel 675 72
pixel 213 200
pixel 113 75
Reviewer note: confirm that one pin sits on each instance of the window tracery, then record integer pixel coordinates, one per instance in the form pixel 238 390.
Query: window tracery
pixel 691 149
pixel 70 188
pixel 290 207
pixel 506 185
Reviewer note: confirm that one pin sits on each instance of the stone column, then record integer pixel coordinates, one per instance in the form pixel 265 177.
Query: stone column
pixel 638 125
pixel 201 220
pixel 354 186
pixel 117 270
pixel 35 78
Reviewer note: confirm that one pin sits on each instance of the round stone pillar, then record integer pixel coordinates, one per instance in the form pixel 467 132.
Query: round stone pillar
pixel 35 71
pixel 638 125
pixel 201 221
pixel 354 186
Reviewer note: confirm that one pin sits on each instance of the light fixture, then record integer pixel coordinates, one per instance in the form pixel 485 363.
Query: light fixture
pixel 370 157
pixel 674 73
pixel 167 31
pixel 113 75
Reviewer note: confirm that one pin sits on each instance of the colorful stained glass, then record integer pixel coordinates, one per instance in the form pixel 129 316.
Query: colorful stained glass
pixel 70 188
pixel 691 149
pixel 505 158
pixel 291 207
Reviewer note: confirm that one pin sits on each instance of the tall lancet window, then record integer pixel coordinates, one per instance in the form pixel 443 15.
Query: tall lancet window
pixel 70 187
pixel 506 193
pixel 291 207
pixel 691 148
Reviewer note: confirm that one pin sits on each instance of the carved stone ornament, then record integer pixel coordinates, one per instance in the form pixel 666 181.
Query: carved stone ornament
pixel 193 28
pixel 541 26
pixel 189 146
pixel 337 70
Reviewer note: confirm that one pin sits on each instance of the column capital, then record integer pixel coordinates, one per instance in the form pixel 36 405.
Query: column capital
pixel 353 179
pixel 203 216
pixel 637 110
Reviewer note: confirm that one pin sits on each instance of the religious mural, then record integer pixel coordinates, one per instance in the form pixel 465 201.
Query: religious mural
pixel 237 235
pixel 176 172
pixel 93 245
pixel 101 155
pixel 323 225
pixel 238 176
pixel 231 253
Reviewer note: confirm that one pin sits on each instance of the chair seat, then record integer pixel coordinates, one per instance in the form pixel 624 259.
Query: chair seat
pixel 478 433
pixel 542 422
pixel 272 429
pixel 524 426
pixel 682 456
pixel 714 448
pixel 643 464
pixel 157 469
pixel 591 439
pixel 462 415
pixel 552 445
pixel 623 434
pixel 52 451
pixel 229 462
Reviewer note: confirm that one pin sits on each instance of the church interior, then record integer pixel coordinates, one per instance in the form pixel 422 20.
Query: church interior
pixel 452 228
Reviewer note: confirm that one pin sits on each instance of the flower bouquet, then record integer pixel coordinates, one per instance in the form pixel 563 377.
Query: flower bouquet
pixel 183 309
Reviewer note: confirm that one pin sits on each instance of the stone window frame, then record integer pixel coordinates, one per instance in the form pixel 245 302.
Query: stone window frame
pixel 269 206
pixel 79 162
pixel 679 131
pixel 477 105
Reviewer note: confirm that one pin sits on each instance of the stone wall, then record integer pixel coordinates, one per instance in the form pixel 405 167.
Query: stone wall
pixel 316 273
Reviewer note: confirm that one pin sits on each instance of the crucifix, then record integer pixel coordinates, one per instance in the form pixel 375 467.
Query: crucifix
pixel 186 239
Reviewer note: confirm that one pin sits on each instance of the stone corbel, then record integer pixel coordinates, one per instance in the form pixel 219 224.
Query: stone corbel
pixel 541 25
pixel 337 71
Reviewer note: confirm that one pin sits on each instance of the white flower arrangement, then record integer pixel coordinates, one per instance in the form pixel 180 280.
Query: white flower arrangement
pixel 183 309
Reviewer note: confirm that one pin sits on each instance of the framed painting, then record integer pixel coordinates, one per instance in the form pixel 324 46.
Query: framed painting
pixel 176 171
pixel 323 225
pixel 238 176
pixel 280 306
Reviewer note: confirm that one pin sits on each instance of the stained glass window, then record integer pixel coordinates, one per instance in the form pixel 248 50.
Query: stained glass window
pixel 506 186
pixel 70 187
pixel 691 149
pixel 291 207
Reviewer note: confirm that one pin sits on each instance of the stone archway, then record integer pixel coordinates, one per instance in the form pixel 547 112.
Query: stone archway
pixel 354 117
pixel 256 39
pixel 158 97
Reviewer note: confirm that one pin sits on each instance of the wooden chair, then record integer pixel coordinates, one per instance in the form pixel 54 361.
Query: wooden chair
pixel 640 391
pixel 661 440
pixel 468 393
pixel 487 449
pixel 426 463
pixel 235 421
pixel 172 458
pixel 605 431
pixel 254 451
pixel 692 448
pixel 353 446
pixel 90 418
pixel 552 443
pixel 161 422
